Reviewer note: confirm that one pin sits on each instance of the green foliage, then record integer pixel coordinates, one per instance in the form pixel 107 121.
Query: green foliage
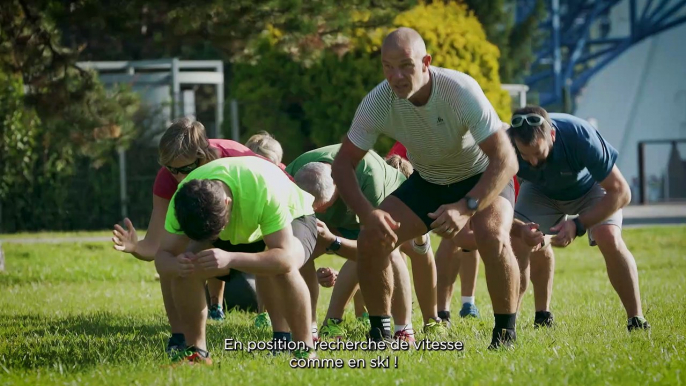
pixel 311 104
pixel 55 120
pixel 515 42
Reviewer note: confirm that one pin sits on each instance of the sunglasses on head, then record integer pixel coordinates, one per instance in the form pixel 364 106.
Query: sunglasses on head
pixel 183 169
pixel 531 119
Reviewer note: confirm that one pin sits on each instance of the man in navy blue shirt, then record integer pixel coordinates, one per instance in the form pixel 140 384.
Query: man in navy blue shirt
pixel 568 169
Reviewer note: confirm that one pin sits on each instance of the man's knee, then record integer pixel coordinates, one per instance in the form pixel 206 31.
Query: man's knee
pixel 609 238
pixel 371 247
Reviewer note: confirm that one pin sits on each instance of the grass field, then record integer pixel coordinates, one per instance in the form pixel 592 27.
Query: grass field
pixel 82 313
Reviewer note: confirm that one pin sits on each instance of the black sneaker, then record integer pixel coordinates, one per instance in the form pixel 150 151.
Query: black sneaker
pixel 503 338
pixel 175 346
pixel 543 319
pixel 637 323
pixel 377 335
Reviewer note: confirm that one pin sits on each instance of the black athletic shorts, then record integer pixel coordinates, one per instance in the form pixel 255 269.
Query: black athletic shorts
pixel 304 229
pixel 424 197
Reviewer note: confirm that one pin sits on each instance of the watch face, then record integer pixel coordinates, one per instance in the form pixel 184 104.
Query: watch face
pixel 472 203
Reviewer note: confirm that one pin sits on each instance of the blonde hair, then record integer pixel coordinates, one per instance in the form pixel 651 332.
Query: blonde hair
pixel 401 164
pixel 265 145
pixel 185 138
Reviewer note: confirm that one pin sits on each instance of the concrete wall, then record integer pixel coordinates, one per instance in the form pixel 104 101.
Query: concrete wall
pixel 640 95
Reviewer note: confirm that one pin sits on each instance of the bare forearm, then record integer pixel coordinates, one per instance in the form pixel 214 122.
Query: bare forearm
pixel 146 250
pixel 270 262
pixel 603 209
pixel 499 172
pixel 349 189
pixel 348 249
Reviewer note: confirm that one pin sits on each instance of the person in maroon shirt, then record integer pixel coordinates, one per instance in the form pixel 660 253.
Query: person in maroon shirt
pixel 183 147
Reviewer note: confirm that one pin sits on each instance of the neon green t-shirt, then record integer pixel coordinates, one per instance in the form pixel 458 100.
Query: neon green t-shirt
pixel 377 181
pixel 265 200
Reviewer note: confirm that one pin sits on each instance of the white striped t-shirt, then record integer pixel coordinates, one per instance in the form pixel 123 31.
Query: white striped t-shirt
pixel 442 136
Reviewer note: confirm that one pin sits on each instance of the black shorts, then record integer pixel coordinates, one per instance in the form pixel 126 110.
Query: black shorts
pixel 424 197
pixel 304 229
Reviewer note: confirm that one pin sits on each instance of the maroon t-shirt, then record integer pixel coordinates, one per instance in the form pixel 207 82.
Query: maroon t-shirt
pixel 165 183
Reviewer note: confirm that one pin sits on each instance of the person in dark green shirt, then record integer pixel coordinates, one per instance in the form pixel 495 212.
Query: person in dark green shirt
pixel 339 227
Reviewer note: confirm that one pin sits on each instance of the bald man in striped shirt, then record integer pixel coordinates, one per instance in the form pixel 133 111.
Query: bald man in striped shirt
pixel 463 164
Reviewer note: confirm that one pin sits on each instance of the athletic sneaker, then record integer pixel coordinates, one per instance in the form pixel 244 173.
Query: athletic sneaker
pixel 469 310
pixel 193 355
pixel 262 320
pixel 502 338
pixel 435 326
pixel 543 319
pixel 332 329
pixel 216 312
pixel 404 335
pixel 637 323
pixel 175 346
pixel 376 335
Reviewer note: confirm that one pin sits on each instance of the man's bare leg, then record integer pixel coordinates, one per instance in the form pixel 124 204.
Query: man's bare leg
pixel 424 277
pixel 542 266
pixel 491 228
pixel 216 289
pixel 447 268
pixel 373 264
pixel 621 267
pixel 309 273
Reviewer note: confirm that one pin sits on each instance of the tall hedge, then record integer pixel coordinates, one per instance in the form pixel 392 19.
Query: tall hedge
pixel 307 105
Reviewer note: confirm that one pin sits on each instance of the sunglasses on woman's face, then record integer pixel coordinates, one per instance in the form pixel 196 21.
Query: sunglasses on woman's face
pixel 184 169
pixel 531 119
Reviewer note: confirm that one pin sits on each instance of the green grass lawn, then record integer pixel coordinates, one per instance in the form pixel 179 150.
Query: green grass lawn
pixel 82 313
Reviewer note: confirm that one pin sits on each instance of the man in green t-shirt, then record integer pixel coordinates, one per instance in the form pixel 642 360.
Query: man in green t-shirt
pixel 222 217
pixel 377 180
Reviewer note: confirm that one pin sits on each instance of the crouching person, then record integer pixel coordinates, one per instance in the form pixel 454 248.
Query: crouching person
pixel 222 217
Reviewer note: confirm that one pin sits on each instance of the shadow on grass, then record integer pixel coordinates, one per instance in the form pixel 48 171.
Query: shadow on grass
pixel 75 342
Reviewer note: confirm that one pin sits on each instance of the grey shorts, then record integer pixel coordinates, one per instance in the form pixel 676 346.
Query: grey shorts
pixel 534 206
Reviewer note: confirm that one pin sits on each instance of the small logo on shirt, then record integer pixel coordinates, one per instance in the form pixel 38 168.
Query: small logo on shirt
pixel 439 121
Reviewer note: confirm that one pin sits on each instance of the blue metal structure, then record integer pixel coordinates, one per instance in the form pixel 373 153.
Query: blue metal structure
pixel 579 40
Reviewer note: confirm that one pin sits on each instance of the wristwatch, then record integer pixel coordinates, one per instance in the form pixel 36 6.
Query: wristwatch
pixel 472 203
pixel 335 245
pixel 580 230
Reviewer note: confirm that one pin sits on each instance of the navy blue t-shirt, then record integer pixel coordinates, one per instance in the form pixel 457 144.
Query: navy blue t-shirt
pixel 580 157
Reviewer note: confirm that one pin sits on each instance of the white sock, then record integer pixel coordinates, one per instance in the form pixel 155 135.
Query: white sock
pixel 422 249
pixel 406 327
pixel 468 299
pixel 315 330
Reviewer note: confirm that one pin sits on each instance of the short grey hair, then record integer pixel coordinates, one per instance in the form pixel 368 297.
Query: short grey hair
pixel 315 178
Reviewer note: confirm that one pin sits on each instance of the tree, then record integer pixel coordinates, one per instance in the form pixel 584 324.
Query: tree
pixel 515 42
pixel 219 29
pixel 53 115
pixel 312 105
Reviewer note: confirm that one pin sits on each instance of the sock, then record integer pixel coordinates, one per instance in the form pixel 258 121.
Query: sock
pixel 468 299
pixel 505 321
pixel 541 314
pixel 282 336
pixel 203 353
pixel 315 330
pixel 424 248
pixel 178 338
pixel 383 323
pixel 444 315
pixel 406 327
